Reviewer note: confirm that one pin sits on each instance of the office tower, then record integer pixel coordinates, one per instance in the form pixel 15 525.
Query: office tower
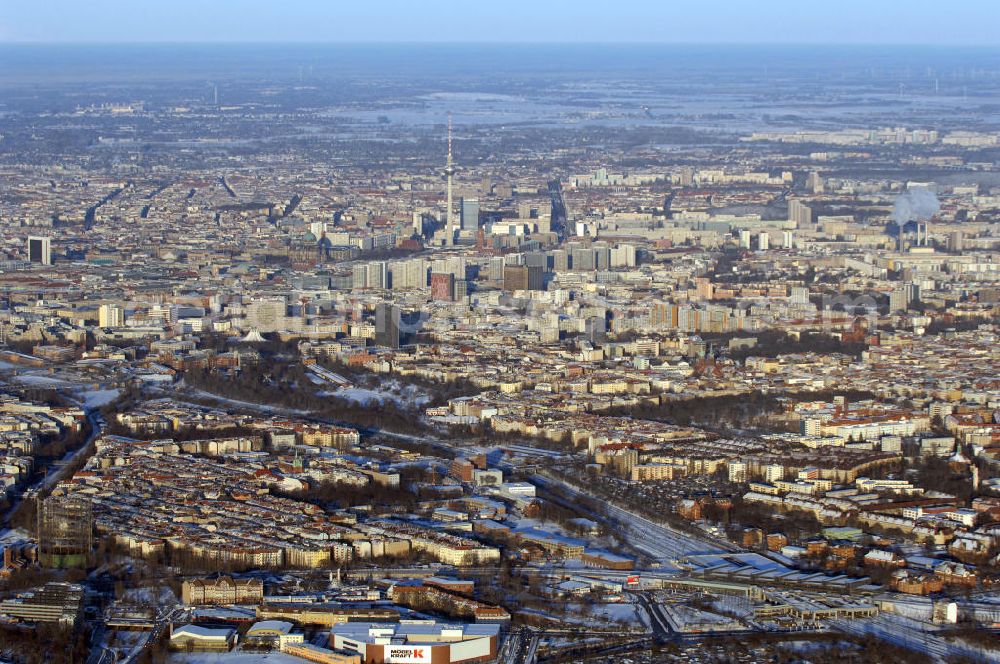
pixel 624 255
pixel 496 269
pixel 65 531
pixel 469 213
pixel 595 329
pixel 359 276
pixel 799 213
pixel 686 177
pixel 378 274
pixel 897 300
pixel 523 277
pixel 560 260
pixel 815 183
pixel 583 259
pixel 408 274
pixel 40 250
pixel 602 257
pixel 536 259
pixel 901 298
pixel 442 286
pixel 387 326
pixel 787 240
pixel 111 315
pixel 745 239
pixel 763 242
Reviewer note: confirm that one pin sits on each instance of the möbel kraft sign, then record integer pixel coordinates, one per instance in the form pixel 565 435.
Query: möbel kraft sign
pixel 409 654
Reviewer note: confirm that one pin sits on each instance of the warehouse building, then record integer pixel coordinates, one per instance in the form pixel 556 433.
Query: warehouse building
pixel 417 642
pixel 192 638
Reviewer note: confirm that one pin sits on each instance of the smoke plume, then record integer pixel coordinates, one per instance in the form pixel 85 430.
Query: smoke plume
pixel 915 204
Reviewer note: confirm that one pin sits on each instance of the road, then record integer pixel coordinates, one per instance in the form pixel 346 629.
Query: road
pixel 163 620
pixel 663 629
pixel 55 471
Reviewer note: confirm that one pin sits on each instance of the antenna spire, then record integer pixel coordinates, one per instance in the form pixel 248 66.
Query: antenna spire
pixel 449 170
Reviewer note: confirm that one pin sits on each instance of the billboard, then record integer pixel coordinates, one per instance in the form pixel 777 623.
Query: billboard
pixel 408 654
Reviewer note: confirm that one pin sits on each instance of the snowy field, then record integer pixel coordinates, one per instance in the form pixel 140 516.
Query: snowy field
pixel 233 658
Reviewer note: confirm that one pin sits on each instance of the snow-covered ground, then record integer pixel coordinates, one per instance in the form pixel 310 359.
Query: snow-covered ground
pixel 98 398
pixel 42 380
pixel 233 658
pixel 623 613
pixel 154 596
pixel 246 405
pixel 404 396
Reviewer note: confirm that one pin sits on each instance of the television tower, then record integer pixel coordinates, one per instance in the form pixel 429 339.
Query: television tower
pixel 449 170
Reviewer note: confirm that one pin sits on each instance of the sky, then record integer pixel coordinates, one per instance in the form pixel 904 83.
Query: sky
pixel 926 22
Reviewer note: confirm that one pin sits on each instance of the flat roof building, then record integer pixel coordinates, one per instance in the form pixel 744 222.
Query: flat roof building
pixel 417 641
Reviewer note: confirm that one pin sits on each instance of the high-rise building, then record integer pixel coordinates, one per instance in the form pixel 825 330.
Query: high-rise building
pixel 496 269
pixel 897 300
pixel 523 277
pixel 370 275
pixel 763 242
pixel 536 259
pixel 387 326
pixel 408 274
pixel 583 259
pixel 815 183
pixel 560 260
pixel 602 257
pixel 378 274
pixel 40 250
pixel 111 315
pixel 442 286
pixel 745 239
pixel 624 255
pixel 469 213
pixel 800 295
pixel 359 276
pixel 799 213
pixel 595 328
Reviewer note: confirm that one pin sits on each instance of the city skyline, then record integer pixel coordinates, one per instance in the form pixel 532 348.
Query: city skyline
pixel 514 349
